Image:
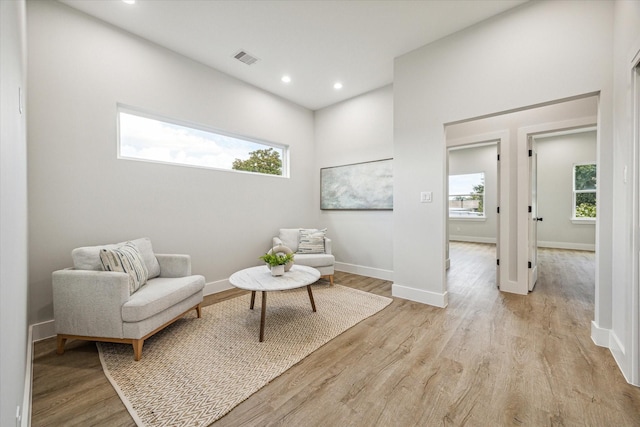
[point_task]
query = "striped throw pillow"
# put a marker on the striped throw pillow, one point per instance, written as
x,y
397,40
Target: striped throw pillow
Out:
x,y
311,241
126,259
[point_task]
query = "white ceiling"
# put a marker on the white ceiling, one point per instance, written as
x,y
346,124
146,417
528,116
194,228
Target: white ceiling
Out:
x,y
315,42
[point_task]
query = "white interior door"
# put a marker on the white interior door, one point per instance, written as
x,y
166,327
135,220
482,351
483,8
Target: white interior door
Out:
x,y
533,214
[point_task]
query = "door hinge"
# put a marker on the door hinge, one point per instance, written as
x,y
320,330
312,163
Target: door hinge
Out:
x,y
498,209
529,264
497,261
530,153
529,209
498,157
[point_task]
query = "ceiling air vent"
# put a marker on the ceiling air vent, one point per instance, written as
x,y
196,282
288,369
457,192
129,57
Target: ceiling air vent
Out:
x,y
243,56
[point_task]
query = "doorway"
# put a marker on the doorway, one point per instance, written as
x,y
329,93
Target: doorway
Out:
x,y
473,194
513,233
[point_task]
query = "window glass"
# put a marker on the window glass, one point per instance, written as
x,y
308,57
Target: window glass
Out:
x,y
584,191
148,138
466,196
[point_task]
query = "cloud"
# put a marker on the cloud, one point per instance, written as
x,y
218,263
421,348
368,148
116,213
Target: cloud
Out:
x,y
150,139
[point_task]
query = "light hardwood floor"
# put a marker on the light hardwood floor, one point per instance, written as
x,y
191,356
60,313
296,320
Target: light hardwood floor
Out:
x,y
488,359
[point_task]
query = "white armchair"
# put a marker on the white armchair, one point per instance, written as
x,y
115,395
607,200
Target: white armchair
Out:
x,y
311,247
96,305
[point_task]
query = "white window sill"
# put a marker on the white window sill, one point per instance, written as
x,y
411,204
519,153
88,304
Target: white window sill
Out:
x,y
473,218
583,221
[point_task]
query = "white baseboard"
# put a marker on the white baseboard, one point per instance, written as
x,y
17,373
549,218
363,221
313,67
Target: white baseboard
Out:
x,y
376,273
419,295
43,330
218,286
513,287
567,245
619,355
25,421
599,336
472,239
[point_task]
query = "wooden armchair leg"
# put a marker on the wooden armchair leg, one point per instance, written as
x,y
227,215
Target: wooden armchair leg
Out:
x,y
199,310
137,349
331,279
61,342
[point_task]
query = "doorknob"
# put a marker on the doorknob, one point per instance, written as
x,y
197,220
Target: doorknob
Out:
x,y
539,219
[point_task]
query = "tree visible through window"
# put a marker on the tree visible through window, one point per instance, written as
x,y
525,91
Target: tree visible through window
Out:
x,y
146,137
262,161
584,190
466,195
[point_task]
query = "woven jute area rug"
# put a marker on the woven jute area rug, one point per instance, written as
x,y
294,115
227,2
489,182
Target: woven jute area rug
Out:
x,y
196,370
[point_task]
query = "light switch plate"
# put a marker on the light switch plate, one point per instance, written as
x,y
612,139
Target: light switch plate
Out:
x,y
426,197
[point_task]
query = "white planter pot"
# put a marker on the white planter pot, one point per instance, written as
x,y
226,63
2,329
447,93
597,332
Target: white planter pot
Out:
x,y
277,270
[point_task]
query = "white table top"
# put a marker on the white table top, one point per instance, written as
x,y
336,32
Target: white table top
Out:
x,y
260,278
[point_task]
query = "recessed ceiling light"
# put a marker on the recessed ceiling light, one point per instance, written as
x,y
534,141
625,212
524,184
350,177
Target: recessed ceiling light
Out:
x,y
337,85
129,1
286,79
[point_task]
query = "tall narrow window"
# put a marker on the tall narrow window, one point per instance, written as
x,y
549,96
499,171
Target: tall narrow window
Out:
x,y
584,191
146,137
466,195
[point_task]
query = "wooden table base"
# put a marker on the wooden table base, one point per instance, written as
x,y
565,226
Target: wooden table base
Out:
x,y
264,307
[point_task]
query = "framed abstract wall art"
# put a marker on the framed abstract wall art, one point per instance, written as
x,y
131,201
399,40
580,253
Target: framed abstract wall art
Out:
x,y
359,186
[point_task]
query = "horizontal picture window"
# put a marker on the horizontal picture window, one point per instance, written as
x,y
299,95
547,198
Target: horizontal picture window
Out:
x,y
146,137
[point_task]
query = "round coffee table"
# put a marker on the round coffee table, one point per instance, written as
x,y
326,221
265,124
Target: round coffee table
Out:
x,y
260,279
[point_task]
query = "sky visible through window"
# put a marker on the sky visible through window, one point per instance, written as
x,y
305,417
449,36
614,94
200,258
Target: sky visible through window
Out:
x,y
463,184
155,140
465,201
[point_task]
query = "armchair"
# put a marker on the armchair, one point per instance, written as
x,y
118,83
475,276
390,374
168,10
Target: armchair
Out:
x,y
315,250
96,305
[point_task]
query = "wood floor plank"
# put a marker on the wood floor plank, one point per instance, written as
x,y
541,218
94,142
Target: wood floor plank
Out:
x,y
488,359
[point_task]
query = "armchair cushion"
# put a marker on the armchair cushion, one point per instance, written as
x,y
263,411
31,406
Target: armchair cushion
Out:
x,y
289,238
88,257
126,259
315,260
174,265
160,295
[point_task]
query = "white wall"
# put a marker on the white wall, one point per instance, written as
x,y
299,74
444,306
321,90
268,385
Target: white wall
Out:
x,y
473,160
624,336
556,157
534,54
354,131
80,194
13,212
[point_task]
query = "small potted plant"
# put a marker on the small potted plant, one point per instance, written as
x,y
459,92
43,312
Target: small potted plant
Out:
x,y
277,261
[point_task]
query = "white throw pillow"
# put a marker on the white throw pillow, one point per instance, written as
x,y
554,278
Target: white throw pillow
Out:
x,y
311,241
